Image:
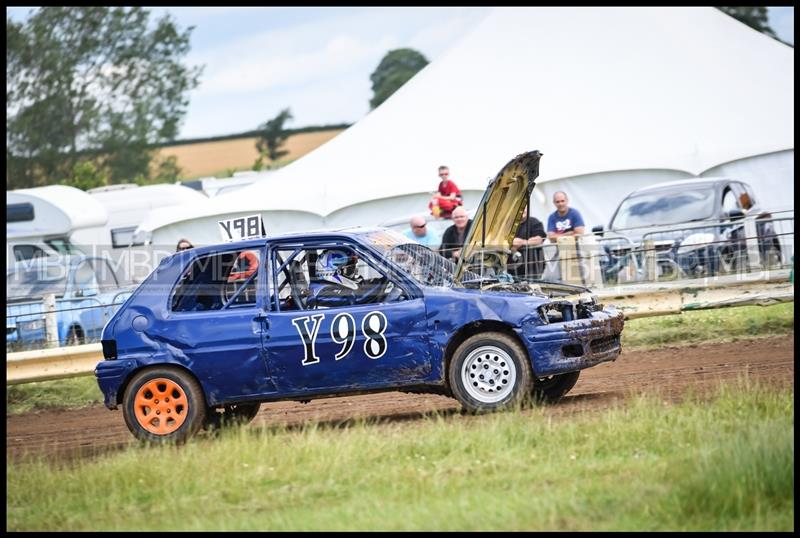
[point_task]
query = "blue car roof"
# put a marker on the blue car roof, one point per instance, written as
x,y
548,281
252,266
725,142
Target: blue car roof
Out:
x,y
343,233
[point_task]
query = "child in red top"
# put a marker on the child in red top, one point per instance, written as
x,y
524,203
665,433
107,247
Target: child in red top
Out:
x,y
448,197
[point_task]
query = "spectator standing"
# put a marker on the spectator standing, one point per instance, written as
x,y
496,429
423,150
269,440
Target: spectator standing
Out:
x,y
527,259
564,220
453,237
447,197
420,233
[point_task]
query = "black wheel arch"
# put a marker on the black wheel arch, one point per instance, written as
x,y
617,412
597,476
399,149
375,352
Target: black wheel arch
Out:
x,y
124,385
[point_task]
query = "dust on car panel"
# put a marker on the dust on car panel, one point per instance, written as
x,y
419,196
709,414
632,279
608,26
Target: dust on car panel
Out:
x,y
215,331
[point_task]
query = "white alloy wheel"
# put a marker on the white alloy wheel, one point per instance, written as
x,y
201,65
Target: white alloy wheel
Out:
x,y
488,374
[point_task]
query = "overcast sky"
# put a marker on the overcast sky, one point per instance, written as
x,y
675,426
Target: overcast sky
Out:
x,y
315,61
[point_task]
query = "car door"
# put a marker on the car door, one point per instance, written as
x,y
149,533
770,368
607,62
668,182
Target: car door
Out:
x,y
85,310
380,340
215,325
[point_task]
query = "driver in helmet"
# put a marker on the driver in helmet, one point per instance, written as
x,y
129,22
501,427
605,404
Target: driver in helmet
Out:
x,y
336,281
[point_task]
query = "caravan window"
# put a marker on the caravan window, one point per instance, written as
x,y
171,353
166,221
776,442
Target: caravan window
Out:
x,y
123,237
19,212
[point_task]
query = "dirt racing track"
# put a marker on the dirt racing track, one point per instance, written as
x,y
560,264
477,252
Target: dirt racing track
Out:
x,y
668,372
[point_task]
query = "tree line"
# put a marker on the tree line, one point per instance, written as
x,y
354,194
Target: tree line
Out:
x,y
89,90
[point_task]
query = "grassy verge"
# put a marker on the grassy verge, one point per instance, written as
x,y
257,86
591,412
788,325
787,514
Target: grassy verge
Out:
x,y
725,324
724,463
716,325
58,393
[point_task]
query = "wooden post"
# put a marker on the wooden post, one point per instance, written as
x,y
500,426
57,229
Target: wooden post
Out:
x,y
589,253
751,239
568,257
650,265
50,321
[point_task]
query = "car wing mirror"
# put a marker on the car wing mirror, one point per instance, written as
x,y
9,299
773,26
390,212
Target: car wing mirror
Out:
x,y
86,292
598,230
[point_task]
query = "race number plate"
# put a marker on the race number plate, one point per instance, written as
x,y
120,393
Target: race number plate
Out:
x,y
242,228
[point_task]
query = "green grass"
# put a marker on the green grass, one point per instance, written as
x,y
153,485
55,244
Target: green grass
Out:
x,y
718,325
58,393
726,324
722,463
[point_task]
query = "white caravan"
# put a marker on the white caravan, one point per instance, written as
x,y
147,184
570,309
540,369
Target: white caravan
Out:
x,y
41,221
127,206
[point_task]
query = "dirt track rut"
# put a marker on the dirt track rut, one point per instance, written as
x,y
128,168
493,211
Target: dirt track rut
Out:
x,y
670,371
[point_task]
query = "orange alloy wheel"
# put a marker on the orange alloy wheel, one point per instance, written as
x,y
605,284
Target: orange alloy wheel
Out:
x,y
161,406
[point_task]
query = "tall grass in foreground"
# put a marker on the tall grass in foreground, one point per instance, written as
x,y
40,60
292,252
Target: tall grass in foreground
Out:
x,y
724,463
719,325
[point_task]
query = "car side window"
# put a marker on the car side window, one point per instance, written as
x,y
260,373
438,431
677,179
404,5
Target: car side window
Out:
x,y
105,275
729,201
223,280
84,277
329,276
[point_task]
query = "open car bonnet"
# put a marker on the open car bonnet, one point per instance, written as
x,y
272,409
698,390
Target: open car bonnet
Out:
x,y
499,212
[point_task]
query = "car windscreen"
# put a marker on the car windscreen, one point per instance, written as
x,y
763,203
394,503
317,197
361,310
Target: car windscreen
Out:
x,y
664,207
421,263
31,283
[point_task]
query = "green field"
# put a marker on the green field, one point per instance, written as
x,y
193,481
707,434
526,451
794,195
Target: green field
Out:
x,y
725,462
724,324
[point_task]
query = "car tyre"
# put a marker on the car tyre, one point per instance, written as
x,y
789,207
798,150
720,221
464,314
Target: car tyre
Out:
x,y
231,414
553,388
490,371
75,338
164,404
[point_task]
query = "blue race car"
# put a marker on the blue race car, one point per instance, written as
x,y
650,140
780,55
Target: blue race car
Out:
x,y
215,331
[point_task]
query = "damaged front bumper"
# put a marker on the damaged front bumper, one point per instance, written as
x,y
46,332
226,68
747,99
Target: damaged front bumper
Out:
x,y
572,343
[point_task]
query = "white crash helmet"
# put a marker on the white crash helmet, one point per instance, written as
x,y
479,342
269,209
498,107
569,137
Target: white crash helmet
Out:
x,y
337,266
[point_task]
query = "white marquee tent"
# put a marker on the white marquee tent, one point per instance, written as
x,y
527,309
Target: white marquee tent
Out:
x,y
615,98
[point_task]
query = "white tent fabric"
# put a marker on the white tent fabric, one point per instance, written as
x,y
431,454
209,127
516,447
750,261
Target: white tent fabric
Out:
x,y
613,97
